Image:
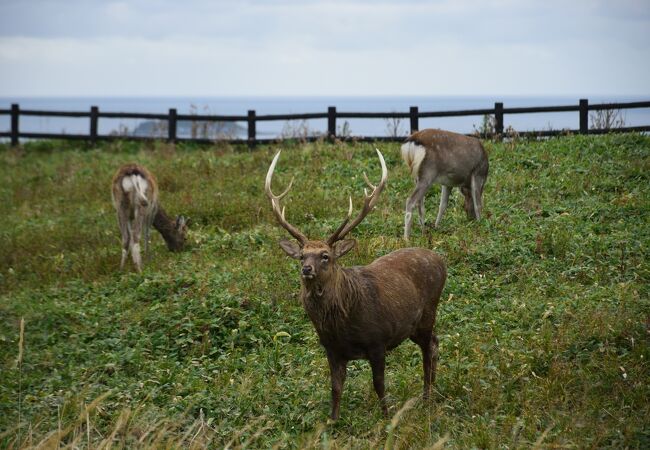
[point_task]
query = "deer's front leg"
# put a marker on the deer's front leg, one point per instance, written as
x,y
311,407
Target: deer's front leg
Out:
x,y
337,374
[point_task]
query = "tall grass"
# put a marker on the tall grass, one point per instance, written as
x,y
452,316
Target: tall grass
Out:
x,y
543,326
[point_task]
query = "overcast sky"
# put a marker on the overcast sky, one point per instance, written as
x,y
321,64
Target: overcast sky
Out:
x,y
312,47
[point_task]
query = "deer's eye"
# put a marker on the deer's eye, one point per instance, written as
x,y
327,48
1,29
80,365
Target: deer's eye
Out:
x,y
325,257
302,257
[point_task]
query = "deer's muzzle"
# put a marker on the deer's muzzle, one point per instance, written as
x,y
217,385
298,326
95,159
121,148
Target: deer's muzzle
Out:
x,y
308,271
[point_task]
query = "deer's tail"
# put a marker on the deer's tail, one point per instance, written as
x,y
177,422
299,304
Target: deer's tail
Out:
x,y
413,155
137,186
140,189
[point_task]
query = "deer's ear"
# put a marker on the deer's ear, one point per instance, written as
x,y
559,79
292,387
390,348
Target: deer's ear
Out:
x,y
291,248
344,246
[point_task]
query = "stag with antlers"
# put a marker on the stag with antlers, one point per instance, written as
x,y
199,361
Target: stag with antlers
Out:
x,y
364,311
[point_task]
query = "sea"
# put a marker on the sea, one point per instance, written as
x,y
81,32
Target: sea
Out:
x,y
296,105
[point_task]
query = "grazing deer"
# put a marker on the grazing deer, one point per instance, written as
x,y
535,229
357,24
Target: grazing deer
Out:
x,y
448,159
362,312
135,197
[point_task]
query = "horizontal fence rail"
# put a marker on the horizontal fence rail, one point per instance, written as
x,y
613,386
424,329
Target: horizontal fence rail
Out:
x,y
251,118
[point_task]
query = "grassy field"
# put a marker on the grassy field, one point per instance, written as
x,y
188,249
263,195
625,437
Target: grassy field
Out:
x,y
544,323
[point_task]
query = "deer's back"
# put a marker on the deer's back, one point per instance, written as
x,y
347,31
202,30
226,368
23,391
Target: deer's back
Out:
x,y
409,275
451,158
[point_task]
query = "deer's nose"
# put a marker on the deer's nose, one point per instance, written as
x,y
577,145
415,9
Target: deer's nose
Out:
x,y
307,270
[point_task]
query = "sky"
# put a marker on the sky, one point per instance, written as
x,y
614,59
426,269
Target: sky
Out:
x,y
324,48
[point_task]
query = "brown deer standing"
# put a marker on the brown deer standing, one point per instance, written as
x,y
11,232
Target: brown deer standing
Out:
x,y
448,159
362,312
135,197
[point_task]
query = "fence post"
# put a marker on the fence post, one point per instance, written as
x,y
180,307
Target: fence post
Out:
x,y
413,113
498,118
94,114
252,131
331,122
171,126
15,113
584,116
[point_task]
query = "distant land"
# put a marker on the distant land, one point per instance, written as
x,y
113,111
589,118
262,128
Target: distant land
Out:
x,y
186,128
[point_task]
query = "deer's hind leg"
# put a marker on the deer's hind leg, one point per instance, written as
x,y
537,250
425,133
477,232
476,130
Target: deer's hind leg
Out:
x,y
123,223
477,193
378,365
422,185
428,343
150,211
146,243
421,211
444,200
469,202
136,233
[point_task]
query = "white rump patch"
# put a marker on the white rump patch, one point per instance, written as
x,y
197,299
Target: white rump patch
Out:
x,y
413,155
136,183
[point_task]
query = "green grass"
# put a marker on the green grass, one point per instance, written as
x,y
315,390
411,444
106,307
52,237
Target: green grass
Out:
x,y
543,324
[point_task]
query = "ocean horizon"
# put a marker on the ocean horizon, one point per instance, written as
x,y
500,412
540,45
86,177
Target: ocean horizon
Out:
x,y
239,105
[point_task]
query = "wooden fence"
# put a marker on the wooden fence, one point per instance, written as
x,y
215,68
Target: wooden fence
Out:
x,y
413,115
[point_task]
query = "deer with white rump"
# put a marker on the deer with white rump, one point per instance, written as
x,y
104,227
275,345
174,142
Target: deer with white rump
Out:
x,y
448,159
362,312
135,197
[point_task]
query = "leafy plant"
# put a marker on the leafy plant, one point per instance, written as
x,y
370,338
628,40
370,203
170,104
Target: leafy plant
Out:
x,y
542,327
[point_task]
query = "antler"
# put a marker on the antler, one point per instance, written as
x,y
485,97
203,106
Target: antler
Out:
x,y
368,203
275,202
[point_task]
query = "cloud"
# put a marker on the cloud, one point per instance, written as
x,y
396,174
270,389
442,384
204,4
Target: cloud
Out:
x,y
291,47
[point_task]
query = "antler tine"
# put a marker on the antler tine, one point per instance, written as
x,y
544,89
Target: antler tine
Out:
x,y
368,203
372,186
286,191
275,202
269,176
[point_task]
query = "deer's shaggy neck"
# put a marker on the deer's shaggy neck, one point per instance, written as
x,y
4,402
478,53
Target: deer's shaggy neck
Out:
x,y
328,301
166,226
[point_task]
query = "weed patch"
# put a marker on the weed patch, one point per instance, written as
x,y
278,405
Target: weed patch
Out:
x,y
543,325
